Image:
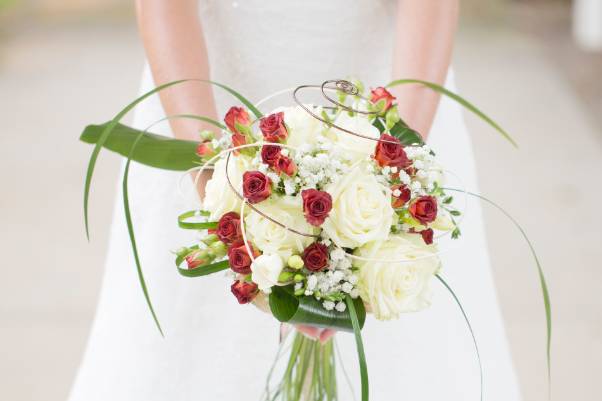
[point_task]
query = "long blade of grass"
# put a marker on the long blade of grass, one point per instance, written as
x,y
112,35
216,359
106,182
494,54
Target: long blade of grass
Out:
x,y
474,339
357,331
128,219
460,100
542,279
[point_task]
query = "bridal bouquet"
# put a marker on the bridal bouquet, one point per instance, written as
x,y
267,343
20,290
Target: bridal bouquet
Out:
x,y
318,214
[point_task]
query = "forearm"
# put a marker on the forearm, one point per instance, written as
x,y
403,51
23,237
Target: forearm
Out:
x,y
423,49
175,47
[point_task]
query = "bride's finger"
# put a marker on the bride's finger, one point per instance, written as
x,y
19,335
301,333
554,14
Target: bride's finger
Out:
x,y
326,335
310,331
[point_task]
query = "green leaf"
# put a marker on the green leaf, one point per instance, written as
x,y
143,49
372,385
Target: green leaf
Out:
x,y
153,150
406,135
474,339
189,225
460,100
288,308
204,270
357,331
110,126
542,280
128,219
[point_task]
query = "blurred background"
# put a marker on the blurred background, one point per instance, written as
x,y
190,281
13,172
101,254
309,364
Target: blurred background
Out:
x,y
534,65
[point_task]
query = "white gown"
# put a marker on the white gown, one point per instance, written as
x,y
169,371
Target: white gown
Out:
x,y
215,349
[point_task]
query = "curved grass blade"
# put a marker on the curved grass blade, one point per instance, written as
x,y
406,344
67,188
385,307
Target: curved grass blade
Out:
x,y
189,225
474,339
542,280
102,139
240,97
357,331
460,100
111,126
128,219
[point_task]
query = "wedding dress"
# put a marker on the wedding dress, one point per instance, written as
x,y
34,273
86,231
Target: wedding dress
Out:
x,y
215,349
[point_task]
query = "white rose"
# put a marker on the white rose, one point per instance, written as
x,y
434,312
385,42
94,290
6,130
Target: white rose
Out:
x,y
302,127
361,210
394,288
219,197
265,270
270,237
358,148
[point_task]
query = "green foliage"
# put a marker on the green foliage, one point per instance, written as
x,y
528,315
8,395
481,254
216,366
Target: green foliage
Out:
x,y
286,307
152,149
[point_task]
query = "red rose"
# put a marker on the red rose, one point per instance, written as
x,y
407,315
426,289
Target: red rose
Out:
x,y
228,228
244,291
285,165
427,236
403,198
424,209
381,93
270,154
236,115
256,186
390,153
315,257
273,127
316,206
239,258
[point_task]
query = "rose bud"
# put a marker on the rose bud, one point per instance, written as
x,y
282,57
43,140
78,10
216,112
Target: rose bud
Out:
x,y
238,140
427,236
244,291
237,116
401,195
270,154
228,228
205,150
315,257
273,127
285,165
390,153
316,206
424,209
256,186
381,94
196,259
239,258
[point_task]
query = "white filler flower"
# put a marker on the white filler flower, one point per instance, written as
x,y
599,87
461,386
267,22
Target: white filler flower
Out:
x,y
265,270
394,288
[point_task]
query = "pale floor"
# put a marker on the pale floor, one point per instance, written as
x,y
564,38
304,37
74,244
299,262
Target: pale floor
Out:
x,y
55,79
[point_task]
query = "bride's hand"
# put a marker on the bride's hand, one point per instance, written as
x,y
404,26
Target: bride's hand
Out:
x,y
316,333
201,182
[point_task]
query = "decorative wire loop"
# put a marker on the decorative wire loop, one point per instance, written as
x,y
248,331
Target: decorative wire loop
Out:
x,y
242,198
340,85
